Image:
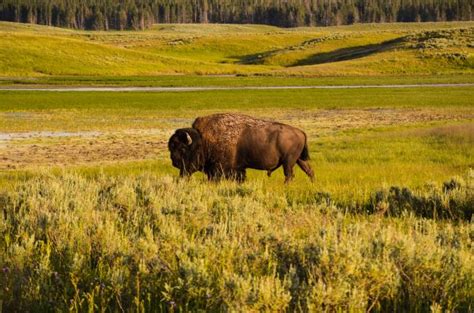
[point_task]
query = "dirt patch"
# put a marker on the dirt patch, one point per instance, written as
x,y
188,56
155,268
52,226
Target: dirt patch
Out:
x,y
18,115
323,122
59,151
46,134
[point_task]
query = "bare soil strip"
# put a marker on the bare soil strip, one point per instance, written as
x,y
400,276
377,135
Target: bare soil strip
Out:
x,y
187,89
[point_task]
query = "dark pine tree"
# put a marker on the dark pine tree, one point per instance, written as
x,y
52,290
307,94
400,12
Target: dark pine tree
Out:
x,y
140,14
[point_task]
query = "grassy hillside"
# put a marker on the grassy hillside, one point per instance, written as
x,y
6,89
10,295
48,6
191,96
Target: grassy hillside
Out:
x,y
383,49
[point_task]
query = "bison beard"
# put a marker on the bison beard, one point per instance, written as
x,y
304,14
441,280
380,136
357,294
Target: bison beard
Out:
x,y
225,145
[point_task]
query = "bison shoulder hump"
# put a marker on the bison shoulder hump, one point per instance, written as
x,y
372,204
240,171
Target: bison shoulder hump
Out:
x,y
227,127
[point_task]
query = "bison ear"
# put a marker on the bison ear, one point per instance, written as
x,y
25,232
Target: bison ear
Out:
x,y
189,140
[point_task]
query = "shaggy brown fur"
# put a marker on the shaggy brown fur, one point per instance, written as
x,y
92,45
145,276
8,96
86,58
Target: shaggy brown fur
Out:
x,y
228,144
221,134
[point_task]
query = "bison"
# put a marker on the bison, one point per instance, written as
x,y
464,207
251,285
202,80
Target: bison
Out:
x,y
225,145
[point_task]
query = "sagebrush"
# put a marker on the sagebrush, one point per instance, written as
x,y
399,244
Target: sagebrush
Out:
x,y
159,244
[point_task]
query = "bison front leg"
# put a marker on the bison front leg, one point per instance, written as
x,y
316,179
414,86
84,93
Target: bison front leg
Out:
x,y
214,173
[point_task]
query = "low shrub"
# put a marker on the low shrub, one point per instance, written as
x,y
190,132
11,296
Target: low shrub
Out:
x,y
453,200
70,243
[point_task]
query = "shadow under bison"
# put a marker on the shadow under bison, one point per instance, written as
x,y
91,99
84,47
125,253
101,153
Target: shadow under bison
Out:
x,y
225,145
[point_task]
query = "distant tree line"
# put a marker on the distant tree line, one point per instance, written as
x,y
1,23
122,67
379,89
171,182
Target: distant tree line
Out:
x,y
140,14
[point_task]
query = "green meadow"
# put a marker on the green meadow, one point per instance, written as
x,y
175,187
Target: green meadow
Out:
x,y
229,81
93,217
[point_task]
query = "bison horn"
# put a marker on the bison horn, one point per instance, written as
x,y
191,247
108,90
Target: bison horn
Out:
x,y
189,139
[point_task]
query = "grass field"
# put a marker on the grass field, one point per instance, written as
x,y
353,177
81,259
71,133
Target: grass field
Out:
x,y
94,218
412,128
228,81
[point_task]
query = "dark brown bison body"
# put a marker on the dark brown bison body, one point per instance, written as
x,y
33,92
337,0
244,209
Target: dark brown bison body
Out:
x,y
225,145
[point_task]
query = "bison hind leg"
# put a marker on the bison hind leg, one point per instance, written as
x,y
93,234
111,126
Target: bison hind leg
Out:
x,y
304,165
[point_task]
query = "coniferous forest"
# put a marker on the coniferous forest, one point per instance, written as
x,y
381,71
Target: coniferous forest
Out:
x,y
140,14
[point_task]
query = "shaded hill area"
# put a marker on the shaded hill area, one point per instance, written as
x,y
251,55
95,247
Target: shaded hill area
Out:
x,y
426,44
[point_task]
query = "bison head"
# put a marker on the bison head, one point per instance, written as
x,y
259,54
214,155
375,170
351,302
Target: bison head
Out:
x,y
186,151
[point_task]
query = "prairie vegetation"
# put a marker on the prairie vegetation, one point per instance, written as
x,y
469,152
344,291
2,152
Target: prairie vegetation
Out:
x,y
94,218
154,243
359,139
374,50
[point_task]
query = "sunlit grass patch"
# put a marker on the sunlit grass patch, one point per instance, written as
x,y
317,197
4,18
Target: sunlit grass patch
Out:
x,y
351,167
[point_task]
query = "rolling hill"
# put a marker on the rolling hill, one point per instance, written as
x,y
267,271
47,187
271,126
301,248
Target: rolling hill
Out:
x,y
364,49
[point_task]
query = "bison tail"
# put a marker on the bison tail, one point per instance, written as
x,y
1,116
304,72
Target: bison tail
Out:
x,y
305,153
